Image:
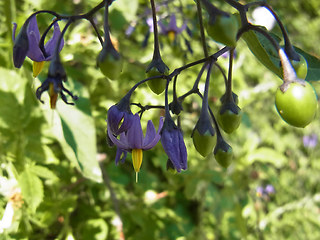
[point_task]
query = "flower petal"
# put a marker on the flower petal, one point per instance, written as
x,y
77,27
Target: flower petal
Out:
x,y
33,27
172,23
127,122
120,152
51,44
135,134
14,31
150,134
182,28
152,137
20,46
114,120
122,143
34,52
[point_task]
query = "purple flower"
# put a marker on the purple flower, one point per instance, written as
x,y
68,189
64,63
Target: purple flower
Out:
x,y
259,191
35,53
133,140
310,141
266,192
172,29
173,144
269,189
119,118
149,22
130,30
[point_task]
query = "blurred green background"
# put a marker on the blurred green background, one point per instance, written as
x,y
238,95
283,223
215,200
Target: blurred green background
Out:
x,y
58,179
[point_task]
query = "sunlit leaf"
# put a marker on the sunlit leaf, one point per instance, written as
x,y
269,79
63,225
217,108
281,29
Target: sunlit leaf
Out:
x,y
267,155
259,50
43,172
31,188
95,229
75,130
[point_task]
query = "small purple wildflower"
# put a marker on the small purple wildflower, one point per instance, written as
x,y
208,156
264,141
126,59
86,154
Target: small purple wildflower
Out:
x,y
172,29
35,53
133,140
269,189
310,141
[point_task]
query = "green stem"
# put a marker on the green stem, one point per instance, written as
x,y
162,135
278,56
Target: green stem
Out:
x,y
242,11
222,72
177,71
96,30
288,46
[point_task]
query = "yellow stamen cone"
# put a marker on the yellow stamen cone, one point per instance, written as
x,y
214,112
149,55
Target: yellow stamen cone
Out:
x,y
53,96
137,160
171,35
37,68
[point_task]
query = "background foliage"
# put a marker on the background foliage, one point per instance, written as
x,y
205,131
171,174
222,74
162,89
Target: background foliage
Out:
x,y
58,174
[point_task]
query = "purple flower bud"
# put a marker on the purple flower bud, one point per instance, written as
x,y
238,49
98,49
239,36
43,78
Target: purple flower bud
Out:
x,y
21,45
173,144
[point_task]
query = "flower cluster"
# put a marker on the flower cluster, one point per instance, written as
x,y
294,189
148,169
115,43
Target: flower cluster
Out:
x,y
124,128
125,132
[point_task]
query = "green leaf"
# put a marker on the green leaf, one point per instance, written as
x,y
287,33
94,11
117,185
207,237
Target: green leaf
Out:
x,y
95,229
267,155
263,50
43,172
31,188
127,7
313,65
75,130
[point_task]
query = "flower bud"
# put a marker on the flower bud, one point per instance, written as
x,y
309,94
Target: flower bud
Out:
x,y
109,61
203,135
155,68
21,45
229,117
173,144
175,106
223,153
